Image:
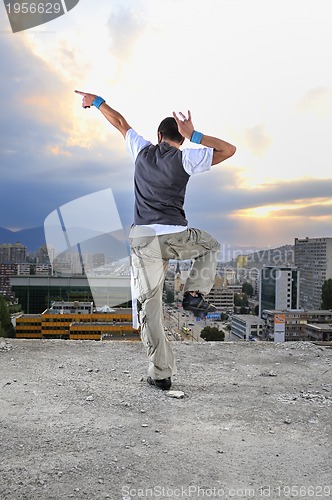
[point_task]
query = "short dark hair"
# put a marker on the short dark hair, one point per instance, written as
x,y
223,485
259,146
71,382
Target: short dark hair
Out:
x,y
168,129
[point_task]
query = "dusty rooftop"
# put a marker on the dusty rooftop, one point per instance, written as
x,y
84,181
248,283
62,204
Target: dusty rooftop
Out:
x,y
78,421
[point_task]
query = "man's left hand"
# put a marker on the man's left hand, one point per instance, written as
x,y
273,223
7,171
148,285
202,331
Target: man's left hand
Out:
x,y
87,98
185,125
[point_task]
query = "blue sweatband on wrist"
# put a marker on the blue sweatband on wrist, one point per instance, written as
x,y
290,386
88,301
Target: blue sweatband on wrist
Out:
x,y
196,137
97,102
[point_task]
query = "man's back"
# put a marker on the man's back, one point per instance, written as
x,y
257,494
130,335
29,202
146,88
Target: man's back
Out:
x,y
160,186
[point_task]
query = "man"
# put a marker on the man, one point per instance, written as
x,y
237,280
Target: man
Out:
x,y
160,231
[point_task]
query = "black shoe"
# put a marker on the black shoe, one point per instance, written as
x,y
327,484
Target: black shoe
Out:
x,y
163,384
197,304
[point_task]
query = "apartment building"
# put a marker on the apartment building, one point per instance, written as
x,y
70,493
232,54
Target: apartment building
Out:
x,y
243,325
12,253
296,322
221,295
279,288
313,259
6,272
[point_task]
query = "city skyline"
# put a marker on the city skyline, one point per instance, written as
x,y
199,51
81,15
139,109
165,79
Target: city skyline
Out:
x,y
254,75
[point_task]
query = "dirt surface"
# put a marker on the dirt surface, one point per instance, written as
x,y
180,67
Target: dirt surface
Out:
x,y
79,421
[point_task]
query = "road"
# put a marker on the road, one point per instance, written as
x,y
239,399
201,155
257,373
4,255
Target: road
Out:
x,y
177,318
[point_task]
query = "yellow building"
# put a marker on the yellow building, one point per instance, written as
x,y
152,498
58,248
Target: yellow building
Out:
x,y
242,261
29,326
72,325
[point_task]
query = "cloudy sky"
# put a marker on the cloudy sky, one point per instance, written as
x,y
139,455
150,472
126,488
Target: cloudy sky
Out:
x,y
256,73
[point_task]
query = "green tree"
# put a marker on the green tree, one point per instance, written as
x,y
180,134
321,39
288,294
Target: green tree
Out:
x,y
169,297
247,288
6,327
2,332
212,333
327,294
240,300
237,300
14,308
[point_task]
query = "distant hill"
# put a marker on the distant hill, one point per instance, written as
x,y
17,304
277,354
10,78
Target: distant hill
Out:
x,y
283,255
32,238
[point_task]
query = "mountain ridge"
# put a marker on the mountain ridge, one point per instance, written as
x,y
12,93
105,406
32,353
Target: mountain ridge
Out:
x,y
33,238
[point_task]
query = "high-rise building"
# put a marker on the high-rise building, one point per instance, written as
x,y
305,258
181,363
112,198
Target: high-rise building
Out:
x,y
42,255
313,259
12,253
241,261
279,288
6,272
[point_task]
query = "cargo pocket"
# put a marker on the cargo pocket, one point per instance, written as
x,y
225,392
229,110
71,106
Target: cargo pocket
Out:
x,y
176,244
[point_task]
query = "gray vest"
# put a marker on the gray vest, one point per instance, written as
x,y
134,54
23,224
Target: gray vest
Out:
x,y
160,186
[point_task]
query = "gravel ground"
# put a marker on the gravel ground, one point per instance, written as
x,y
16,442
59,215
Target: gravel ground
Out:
x,y
79,421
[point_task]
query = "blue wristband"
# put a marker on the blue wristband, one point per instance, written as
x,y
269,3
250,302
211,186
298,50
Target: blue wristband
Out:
x,y
97,102
196,137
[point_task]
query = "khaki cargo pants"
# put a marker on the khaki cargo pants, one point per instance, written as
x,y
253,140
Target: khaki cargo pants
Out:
x,y
149,260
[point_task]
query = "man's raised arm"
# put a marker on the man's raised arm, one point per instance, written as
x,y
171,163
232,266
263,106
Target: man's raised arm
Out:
x,y
113,116
221,149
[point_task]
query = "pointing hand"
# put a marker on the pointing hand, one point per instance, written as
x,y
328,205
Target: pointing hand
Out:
x,y
87,98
